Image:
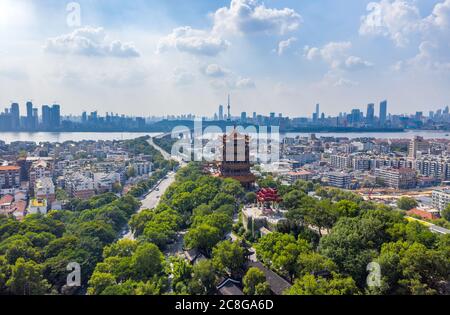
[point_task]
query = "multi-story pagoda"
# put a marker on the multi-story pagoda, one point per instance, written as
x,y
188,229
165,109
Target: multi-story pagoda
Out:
x,y
236,159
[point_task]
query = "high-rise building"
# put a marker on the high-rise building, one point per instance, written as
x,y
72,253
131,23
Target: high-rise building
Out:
x,y
46,116
29,119
221,112
383,113
418,144
370,113
56,116
35,118
318,110
15,116
243,117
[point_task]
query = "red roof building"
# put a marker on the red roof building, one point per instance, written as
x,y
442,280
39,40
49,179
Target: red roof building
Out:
x,y
424,214
268,195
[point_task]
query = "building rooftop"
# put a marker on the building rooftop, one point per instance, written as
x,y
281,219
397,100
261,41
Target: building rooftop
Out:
x,y
9,168
38,203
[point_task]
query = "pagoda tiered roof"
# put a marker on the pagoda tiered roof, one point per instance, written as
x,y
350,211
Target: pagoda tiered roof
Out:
x,y
268,195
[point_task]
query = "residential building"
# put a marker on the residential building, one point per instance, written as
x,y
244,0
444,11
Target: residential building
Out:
x,y
37,206
403,178
9,177
441,199
339,180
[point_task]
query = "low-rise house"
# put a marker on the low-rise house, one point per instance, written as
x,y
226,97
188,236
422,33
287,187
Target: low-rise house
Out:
x,y
292,177
37,206
45,189
424,214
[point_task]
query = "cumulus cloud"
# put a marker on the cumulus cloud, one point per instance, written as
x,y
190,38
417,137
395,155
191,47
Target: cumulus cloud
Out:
x,y
401,21
90,41
193,41
440,17
214,70
252,16
284,45
336,54
395,19
241,17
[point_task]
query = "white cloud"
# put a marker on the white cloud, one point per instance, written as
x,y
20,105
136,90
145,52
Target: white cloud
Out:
x,y
335,78
214,70
236,83
252,16
284,45
401,21
356,63
193,41
90,41
395,19
336,54
245,83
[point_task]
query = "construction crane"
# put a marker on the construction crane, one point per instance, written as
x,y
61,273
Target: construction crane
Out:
x,y
371,191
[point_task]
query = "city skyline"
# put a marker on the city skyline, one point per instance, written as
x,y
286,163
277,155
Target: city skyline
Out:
x,y
153,59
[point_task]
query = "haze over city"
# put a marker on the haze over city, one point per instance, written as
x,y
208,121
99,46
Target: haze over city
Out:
x,y
168,57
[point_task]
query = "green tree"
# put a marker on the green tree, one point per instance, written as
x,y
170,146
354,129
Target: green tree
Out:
x,y
232,187
250,197
117,187
311,285
26,279
203,237
99,282
228,257
255,282
446,213
311,263
147,261
406,203
280,252
203,278
131,172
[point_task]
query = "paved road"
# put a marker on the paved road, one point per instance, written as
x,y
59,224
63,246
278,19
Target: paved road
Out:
x,y
152,199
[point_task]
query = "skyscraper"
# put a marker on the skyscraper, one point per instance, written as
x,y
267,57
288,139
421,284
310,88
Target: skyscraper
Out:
x,y
383,113
370,113
15,116
35,118
46,116
30,120
55,116
243,117
221,112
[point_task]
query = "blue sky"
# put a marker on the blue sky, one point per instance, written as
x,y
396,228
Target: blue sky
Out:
x,y
171,57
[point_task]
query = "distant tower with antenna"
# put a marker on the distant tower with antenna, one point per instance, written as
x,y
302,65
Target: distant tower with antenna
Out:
x,y
229,108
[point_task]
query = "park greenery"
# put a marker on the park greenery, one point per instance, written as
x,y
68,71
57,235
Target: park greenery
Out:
x,y
200,205
353,233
